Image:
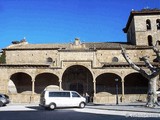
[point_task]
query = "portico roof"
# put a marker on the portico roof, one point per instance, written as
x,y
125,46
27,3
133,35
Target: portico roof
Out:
x,y
92,45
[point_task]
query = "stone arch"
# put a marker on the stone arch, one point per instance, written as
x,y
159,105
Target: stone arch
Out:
x,y
20,83
135,83
78,78
45,79
105,83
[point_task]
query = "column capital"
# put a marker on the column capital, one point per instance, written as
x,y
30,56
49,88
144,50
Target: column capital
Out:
x,y
122,80
33,80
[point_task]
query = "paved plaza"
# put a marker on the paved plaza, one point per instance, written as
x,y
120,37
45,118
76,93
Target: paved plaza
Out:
x,y
132,107
135,111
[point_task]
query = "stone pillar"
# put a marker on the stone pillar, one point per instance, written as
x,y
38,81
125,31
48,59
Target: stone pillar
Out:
x,y
123,98
33,87
6,86
33,91
94,88
60,85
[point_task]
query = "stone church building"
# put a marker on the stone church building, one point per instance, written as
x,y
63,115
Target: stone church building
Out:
x,y
88,68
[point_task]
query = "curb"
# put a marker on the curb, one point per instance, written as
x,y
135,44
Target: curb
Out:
x,y
131,108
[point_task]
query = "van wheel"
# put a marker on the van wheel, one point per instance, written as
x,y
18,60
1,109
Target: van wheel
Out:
x,y
82,105
52,106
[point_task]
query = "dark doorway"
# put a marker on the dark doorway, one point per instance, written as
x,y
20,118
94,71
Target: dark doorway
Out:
x,y
135,83
77,87
78,78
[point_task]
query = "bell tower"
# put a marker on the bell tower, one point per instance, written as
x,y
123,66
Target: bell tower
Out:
x,y
143,27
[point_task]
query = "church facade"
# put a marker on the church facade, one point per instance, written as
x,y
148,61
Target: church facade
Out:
x,y
92,69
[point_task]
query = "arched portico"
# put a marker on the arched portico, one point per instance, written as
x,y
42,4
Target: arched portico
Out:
x,y
45,79
78,78
106,88
106,83
20,82
135,83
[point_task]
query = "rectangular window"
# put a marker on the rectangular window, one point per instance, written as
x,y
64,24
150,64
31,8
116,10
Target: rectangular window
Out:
x,y
59,94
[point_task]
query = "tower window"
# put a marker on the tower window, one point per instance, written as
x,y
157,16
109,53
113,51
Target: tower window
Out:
x,y
158,24
150,42
148,24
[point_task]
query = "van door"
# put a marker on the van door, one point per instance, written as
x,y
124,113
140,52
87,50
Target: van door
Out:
x,y
76,99
65,99
61,99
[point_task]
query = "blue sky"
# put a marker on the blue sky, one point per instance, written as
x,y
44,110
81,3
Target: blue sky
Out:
x,y
60,21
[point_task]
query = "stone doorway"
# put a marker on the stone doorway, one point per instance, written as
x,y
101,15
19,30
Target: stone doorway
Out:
x,y
77,87
78,78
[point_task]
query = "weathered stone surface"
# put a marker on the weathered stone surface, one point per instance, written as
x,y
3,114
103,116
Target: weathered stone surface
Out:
x,y
89,68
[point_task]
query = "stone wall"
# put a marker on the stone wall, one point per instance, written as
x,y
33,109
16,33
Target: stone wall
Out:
x,y
97,58
111,99
141,31
27,98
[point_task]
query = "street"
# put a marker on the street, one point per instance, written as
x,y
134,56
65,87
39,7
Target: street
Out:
x,y
34,112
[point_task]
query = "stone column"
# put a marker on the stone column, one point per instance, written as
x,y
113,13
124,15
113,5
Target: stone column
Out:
x,y
94,88
33,91
6,86
60,85
33,87
123,98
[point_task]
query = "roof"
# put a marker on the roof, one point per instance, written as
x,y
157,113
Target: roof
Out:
x,y
142,12
87,46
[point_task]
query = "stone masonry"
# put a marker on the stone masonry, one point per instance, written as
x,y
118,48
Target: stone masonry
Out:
x,y
88,68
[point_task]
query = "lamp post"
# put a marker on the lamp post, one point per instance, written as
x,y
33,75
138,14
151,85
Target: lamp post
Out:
x,y
116,80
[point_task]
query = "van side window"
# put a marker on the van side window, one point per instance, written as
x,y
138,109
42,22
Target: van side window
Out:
x,y
65,94
59,94
75,94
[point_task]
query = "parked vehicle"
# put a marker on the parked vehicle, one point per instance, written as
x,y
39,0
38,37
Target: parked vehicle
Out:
x,y
55,99
4,99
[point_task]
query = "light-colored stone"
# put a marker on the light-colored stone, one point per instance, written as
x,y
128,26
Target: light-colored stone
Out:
x,y
89,68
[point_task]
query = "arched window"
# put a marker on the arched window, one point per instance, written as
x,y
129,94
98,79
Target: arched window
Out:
x,y
158,24
114,59
148,24
150,42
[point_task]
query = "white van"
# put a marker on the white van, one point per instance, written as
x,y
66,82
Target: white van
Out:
x,y
54,99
